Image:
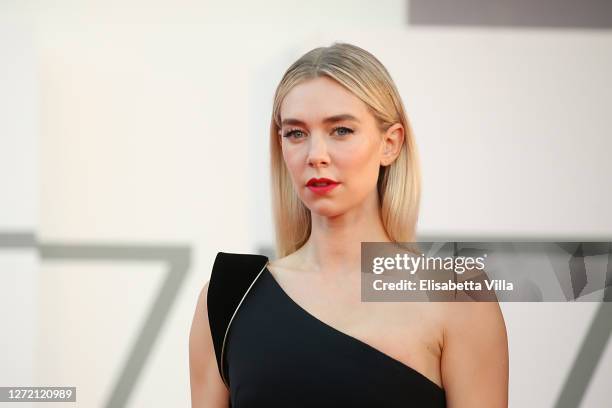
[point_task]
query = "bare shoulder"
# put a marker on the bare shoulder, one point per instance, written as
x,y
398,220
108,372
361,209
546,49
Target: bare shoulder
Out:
x,y
207,387
475,354
485,318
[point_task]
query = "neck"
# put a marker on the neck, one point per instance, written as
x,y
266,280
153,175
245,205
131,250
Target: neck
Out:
x,y
334,246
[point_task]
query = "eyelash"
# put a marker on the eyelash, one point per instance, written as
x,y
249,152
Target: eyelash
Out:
x,y
290,132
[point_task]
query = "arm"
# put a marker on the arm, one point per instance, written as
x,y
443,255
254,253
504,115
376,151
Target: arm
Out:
x,y
474,360
207,388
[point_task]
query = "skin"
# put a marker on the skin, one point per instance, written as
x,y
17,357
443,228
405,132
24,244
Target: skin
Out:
x,y
207,387
461,347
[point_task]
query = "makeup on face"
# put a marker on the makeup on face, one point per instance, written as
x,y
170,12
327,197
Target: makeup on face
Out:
x,y
321,185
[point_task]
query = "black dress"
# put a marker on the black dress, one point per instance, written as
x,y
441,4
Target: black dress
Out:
x,y
277,354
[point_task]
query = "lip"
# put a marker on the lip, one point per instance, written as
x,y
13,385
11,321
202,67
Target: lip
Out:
x,y
321,189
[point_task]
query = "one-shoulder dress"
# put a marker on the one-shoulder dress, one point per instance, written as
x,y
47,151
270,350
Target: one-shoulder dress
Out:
x,y
273,353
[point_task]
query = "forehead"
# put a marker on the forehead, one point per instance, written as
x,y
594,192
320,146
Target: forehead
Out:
x,y
321,97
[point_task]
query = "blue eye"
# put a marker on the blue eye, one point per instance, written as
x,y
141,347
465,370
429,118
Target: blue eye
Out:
x,y
299,134
292,132
346,130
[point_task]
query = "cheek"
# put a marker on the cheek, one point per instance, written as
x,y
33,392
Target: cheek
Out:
x,y
293,160
360,164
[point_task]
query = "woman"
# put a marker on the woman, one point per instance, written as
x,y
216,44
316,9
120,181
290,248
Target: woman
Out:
x,y
293,332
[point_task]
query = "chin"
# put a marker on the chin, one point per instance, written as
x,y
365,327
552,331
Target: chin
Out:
x,y
324,209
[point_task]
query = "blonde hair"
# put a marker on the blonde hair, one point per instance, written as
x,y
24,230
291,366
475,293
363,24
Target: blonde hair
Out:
x,y
399,184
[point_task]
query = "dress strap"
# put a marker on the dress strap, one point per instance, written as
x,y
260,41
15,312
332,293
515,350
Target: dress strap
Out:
x,y
231,278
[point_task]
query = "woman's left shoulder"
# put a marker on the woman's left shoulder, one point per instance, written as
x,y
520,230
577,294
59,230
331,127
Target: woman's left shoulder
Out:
x,y
475,341
472,322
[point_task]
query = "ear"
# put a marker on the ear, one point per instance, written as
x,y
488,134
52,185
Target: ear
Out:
x,y
392,142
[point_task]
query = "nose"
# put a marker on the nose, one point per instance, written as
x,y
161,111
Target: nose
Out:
x,y
317,153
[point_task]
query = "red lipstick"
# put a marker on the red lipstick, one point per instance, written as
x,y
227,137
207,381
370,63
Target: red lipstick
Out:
x,y
321,185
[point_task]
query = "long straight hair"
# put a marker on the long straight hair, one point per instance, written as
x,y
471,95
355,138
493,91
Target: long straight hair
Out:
x,y
399,184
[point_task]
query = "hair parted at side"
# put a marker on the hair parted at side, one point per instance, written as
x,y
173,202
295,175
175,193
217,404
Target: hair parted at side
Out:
x,y
399,184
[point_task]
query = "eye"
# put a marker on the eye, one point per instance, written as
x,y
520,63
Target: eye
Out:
x,y
293,133
343,131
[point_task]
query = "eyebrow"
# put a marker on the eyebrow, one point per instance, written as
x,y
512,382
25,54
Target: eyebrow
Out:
x,y
331,119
